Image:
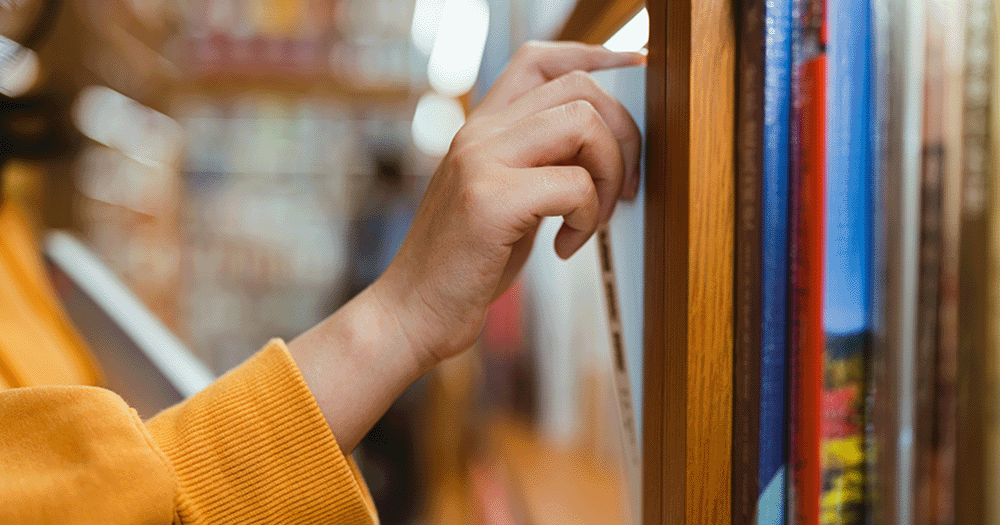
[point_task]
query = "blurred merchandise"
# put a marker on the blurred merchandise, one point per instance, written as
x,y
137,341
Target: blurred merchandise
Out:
x,y
128,188
140,359
245,167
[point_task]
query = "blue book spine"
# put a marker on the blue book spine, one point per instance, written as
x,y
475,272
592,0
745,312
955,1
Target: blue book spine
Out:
x,y
847,253
772,499
846,287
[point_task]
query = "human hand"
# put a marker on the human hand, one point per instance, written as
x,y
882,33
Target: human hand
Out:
x,y
545,141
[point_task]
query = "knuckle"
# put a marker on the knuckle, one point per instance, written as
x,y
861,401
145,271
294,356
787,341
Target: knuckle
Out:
x,y
580,185
581,80
462,137
583,112
465,156
477,195
529,49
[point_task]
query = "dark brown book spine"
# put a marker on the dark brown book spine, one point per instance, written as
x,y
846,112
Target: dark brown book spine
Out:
x,y
977,202
929,276
747,348
946,391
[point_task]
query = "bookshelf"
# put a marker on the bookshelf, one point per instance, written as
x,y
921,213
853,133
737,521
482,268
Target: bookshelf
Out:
x,y
688,350
593,21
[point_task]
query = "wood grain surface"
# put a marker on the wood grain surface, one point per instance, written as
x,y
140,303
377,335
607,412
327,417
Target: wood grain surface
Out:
x,y
687,409
594,21
690,201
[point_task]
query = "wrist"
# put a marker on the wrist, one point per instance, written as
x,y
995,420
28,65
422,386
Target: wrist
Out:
x,y
405,315
355,363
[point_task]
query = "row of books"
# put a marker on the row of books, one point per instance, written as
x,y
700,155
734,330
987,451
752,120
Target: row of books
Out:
x,y
868,263
383,64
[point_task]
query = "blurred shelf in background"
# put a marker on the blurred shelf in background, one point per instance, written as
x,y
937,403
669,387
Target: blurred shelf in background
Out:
x,y
556,485
247,166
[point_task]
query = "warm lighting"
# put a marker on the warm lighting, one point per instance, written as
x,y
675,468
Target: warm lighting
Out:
x,y
19,70
633,36
435,123
426,20
458,48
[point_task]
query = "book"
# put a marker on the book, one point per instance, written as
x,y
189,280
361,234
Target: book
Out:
x,y
846,261
953,21
772,458
898,30
747,341
929,267
833,281
796,261
974,338
991,364
875,415
937,284
809,88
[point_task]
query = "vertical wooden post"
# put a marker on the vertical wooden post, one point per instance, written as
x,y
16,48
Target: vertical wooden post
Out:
x,y
688,367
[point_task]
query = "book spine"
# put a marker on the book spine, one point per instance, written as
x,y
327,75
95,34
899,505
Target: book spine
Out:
x,y
808,268
991,364
846,269
946,363
926,495
978,201
771,501
879,110
893,408
747,348
794,258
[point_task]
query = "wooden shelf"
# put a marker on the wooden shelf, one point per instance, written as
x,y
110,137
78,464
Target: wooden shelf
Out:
x,y
690,224
594,21
687,409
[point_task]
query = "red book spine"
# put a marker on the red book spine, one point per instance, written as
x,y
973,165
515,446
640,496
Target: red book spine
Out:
x,y
808,383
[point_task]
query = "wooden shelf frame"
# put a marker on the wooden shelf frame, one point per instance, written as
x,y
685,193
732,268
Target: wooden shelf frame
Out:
x,y
690,222
690,250
594,21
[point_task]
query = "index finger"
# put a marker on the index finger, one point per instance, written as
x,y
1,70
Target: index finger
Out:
x,y
539,62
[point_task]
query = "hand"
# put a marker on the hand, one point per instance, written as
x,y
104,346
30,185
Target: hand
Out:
x,y
545,141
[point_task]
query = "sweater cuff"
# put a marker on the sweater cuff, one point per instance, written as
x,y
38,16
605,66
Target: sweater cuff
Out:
x,y
254,447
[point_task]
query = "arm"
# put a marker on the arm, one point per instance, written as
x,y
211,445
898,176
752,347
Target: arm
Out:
x,y
266,442
253,447
545,141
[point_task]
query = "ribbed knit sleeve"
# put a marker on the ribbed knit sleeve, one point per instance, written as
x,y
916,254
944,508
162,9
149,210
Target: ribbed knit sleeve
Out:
x,y
254,448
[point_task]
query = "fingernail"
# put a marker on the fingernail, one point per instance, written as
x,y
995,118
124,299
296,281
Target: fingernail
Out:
x,y
632,186
607,213
569,241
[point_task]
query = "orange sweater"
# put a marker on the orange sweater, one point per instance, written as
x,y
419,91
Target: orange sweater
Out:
x,y
251,448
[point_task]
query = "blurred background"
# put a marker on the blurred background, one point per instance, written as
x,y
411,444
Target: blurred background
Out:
x,y
247,166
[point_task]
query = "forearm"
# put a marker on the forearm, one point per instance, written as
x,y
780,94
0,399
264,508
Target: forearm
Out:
x,y
357,362
546,141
